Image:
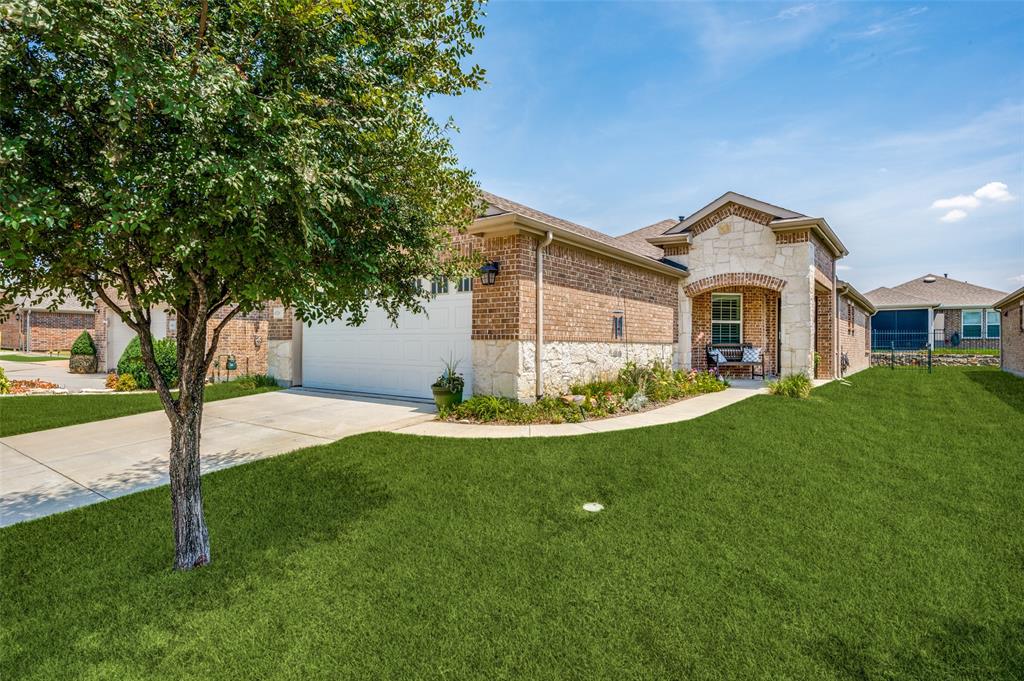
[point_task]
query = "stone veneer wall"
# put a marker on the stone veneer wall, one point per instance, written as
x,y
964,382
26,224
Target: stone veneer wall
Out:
x,y
737,244
510,364
854,335
581,290
1012,330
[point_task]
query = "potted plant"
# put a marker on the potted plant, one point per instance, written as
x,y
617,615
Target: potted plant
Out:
x,y
448,387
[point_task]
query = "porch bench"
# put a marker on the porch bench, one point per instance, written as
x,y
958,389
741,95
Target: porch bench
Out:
x,y
733,354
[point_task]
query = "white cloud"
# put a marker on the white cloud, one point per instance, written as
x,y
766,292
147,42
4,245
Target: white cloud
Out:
x,y
1019,279
993,191
843,268
959,201
996,191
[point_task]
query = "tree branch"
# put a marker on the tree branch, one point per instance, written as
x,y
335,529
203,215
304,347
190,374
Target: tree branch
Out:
x,y
212,352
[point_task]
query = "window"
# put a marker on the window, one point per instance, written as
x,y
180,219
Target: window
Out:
x,y
992,323
465,285
971,324
439,285
851,318
726,318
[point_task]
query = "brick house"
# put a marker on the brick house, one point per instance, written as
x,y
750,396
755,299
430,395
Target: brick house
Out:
x,y
737,271
939,311
1011,338
45,324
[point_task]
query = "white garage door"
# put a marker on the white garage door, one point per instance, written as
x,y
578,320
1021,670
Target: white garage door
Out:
x,y
381,358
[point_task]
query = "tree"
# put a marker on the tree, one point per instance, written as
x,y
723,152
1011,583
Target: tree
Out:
x,y
210,157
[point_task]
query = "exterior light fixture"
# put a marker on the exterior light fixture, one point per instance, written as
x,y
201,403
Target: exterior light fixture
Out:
x,y
489,272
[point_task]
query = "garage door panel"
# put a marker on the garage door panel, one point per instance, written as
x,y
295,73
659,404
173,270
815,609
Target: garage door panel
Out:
x,y
380,358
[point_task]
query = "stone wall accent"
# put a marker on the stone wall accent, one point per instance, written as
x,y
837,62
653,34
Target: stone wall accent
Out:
x,y
506,367
734,279
1012,330
712,219
759,328
742,245
920,359
854,335
280,360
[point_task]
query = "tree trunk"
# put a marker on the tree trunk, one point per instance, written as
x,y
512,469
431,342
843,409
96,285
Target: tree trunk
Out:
x,y
191,538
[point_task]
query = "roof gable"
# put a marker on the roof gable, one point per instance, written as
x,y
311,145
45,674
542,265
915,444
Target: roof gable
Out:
x,y
770,211
949,292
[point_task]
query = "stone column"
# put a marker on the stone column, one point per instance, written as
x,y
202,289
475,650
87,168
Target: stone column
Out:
x,y
684,347
797,322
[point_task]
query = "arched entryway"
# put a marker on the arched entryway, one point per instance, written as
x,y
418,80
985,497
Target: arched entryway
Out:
x,y
734,309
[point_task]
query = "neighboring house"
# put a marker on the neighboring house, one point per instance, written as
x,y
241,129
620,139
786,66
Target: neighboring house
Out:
x,y
46,324
936,310
1011,339
737,271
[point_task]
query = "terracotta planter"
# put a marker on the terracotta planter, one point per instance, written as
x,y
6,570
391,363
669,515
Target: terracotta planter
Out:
x,y
445,398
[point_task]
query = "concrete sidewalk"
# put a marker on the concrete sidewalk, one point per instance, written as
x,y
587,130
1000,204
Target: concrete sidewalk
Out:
x,y
62,468
54,371
680,411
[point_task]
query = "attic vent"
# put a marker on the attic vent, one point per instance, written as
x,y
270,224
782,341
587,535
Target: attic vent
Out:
x,y
682,218
929,279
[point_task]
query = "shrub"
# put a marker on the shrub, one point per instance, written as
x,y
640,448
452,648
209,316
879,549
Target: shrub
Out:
x,y
166,354
111,383
255,381
5,383
83,345
126,383
450,378
794,385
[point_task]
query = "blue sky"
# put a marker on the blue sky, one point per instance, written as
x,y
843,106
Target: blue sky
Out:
x,y
892,121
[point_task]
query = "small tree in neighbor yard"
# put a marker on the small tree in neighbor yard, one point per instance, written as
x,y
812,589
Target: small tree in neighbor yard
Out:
x,y
211,156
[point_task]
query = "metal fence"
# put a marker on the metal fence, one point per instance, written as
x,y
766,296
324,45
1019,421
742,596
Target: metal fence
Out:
x,y
921,350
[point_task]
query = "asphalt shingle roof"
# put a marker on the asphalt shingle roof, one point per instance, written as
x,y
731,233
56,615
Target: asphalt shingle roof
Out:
x,y
941,290
637,239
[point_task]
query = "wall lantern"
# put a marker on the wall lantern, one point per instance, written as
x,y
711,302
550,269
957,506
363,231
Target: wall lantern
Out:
x,y
489,272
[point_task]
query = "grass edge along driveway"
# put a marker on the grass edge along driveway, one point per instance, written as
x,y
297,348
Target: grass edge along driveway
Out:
x,y
871,531
29,413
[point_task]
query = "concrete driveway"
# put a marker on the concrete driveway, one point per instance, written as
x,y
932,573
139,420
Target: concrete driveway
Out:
x,y
54,371
59,469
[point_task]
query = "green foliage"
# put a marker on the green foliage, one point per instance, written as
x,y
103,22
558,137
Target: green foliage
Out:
x,y
5,383
450,378
794,385
264,151
126,383
635,387
253,381
83,345
165,352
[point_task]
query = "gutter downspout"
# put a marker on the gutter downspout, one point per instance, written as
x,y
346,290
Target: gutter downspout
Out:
x,y
837,372
538,359
28,330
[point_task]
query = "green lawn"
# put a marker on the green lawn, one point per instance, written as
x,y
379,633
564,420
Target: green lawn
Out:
x,y
872,531
31,358
41,412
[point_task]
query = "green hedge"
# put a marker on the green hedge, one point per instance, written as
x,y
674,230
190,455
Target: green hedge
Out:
x,y
166,360
83,345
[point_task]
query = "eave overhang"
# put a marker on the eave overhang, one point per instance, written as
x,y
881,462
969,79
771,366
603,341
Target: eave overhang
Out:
x,y
817,225
513,223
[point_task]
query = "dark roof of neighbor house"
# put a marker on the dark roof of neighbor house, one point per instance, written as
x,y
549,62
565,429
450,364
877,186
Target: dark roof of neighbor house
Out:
x,y
933,290
637,239
499,205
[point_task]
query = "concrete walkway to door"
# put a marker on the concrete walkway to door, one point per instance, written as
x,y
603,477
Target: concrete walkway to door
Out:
x,y
55,470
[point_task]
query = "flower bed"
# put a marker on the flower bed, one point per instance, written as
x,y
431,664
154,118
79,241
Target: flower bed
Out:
x,y
19,387
635,389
